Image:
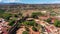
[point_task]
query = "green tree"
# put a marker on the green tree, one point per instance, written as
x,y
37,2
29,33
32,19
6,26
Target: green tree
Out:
x,y
2,11
53,13
48,20
25,32
31,23
57,23
15,15
6,16
36,14
11,22
26,23
34,29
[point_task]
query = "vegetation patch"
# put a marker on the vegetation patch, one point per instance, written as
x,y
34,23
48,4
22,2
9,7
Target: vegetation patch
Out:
x,y
57,23
25,32
36,14
34,29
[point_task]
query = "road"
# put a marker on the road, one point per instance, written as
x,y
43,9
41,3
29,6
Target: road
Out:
x,y
14,28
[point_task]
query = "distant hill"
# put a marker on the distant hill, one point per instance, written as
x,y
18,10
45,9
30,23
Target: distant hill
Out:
x,y
5,6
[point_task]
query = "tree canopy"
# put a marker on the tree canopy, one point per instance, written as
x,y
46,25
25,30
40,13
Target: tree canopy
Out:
x,y
36,14
57,23
48,20
2,11
34,29
6,16
25,32
31,23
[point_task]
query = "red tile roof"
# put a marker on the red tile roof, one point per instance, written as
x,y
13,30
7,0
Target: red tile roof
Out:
x,y
48,30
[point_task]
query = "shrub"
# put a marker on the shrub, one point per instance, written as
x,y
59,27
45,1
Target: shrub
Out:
x,y
6,16
25,32
57,23
27,29
36,14
31,23
34,29
11,22
2,11
48,20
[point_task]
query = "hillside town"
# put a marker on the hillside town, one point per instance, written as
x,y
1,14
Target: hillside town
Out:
x,y
30,19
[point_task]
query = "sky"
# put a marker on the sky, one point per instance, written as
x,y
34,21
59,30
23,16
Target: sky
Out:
x,y
31,1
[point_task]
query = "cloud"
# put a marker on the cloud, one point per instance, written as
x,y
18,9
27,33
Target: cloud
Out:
x,y
11,0
30,1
